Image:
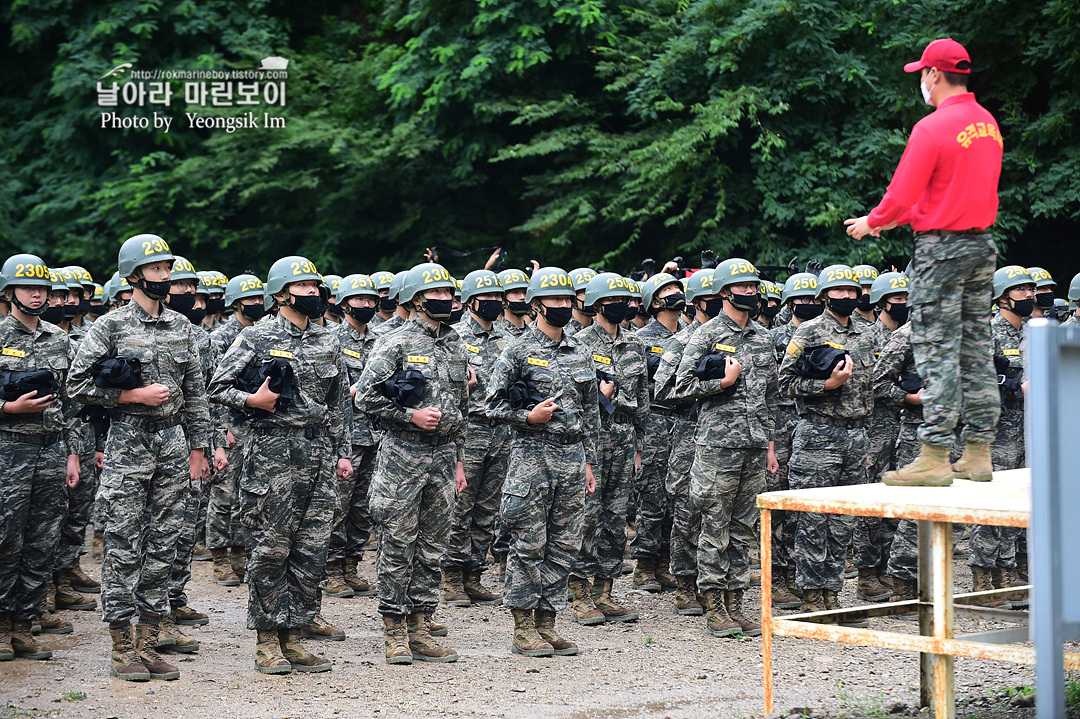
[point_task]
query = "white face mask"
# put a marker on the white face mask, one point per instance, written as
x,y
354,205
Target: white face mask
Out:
x,y
925,93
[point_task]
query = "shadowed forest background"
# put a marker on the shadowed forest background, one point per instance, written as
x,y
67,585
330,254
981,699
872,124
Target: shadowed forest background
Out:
x,y
578,132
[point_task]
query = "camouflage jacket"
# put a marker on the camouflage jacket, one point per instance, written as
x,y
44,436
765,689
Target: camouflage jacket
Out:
x,y
21,350
510,331
81,437
440,358
482,348
356,348
563,372
389,325
744,415
623,356
895,362
664,381
1009,342
224,334
168,349
320,393
781,338
658,339
855,398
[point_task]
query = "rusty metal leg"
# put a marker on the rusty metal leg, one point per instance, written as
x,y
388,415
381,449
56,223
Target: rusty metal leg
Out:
x,y
941,665
926,620
766,607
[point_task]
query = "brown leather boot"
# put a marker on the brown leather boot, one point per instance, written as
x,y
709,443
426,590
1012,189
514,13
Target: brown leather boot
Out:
x,y
48,624
124,663
335,582
299,658
68,598
200,553
81,582
812,601
527,641
500,561
975,463
686,602
50,594
146,638
645,575
930,469
782,595
423,646
545,627
733,600
717,620
583,611
904,590
223,571
832,601
613,612
320,628
397,639
360,586
434,628
6,651
478,593
97,545
982,581
178,641
238,562
663,574
453,589
188,617
268,656
870,588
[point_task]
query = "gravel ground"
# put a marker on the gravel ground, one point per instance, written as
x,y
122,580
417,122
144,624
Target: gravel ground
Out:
x,y
661,666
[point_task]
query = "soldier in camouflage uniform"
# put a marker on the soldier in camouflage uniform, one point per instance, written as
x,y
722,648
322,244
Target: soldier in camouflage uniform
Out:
x,y
738,401
664,299
152,456
552,453
865,310
487,449
288,485
583,313
829,447
37,454
419,463
619,356
387,306
402,310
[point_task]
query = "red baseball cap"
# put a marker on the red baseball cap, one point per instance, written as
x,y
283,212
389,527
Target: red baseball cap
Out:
x,y
945,54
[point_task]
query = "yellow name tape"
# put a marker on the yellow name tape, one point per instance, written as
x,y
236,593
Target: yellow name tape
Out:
x,y
352,353
602,359
281,353
537,362
472,348
724,348
657,350
12,352
834,345
423,359
1007,353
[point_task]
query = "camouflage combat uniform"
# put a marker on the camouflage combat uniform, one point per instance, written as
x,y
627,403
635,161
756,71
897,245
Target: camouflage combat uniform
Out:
x,y
288,484
500,545
543,502
412,491
783,523
145,479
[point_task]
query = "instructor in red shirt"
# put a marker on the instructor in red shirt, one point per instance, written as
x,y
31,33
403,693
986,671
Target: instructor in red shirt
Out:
x,y
945,187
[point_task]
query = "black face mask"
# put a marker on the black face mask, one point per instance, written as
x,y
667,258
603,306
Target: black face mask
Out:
x,y
195,316
1022,308
387,305
335,310
754,312
215,306
154,290
675,301
253,312
899,312
182,303
311,306
70,311
1044,299
746,303
488,310
770,311
587,311
615,312
439,310
712,307
98,310
519,308
807,312
843,307
84,307
864,303
556,316
456,315
52,315
362,315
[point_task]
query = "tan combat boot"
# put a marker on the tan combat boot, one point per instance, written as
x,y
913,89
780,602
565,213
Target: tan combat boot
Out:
x,y
583,611
870,588
784,595
200,553
545,627
360,586
335,582
320,628
645,575
397,639
832,602
82,582
930,469
299,658
50,624
423,646
500,561
453,589
97,545
223,571
975,464
686,602
527,641
663,573
68,598
50,594
124,663
177,640
733,600
188,617
982,581
478,593
268,656
238,561
6,652
812,601
146,639
613,612
904,590
717,620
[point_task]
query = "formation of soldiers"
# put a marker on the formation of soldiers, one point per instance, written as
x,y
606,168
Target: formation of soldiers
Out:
x,y
513,420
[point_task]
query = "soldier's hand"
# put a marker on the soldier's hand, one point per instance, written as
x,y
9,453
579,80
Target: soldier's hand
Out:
x,y
459,478
590,480
220,460
264,398
230,438
344,468
841,373
732,370
772,466
637,460
29,403
472,377
426,418
196,462
153,396
74,469
99,460
608,388
915,398
541,413
204,468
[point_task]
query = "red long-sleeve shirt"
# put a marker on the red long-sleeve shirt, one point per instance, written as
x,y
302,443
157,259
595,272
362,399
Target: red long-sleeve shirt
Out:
x,y
948,175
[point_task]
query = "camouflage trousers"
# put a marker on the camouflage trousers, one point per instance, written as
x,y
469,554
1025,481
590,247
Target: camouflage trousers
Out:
x,y
685,517
288,492
873,535
145,484
221,529
951,283
32,508
472,529
194,502
412,498
783,523
996,546
543,508
724,485
824,455
352,516
603,537
73,528
653,506
903,559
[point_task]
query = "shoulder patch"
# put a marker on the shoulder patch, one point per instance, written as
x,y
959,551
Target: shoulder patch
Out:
x,y
793,348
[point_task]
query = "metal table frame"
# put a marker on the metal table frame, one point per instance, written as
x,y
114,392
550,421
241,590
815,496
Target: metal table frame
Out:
x,y
937,604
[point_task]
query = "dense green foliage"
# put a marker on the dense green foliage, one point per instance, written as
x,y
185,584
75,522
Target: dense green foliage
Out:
x,y
573,131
